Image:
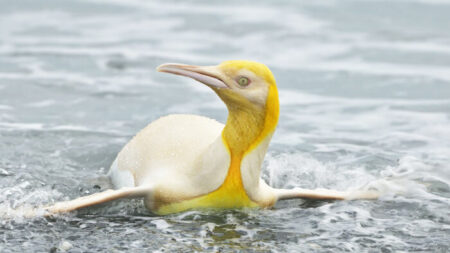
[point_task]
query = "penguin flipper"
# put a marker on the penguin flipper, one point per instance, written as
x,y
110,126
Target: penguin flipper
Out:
x,y
98,198
325,194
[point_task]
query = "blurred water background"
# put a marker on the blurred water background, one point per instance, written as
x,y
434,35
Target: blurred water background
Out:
x,y
365,101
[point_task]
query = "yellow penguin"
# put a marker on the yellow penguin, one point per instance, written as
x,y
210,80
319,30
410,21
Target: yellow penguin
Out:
x,y
181,162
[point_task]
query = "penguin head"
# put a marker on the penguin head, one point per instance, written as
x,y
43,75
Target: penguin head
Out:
x,y
242,85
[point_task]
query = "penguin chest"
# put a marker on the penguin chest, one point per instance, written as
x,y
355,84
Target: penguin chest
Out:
x,y
231,194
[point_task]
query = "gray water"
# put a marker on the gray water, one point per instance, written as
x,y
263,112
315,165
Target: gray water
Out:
x,y
365,102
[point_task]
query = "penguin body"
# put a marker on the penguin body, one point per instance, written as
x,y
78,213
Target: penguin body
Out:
x,y
181,156
181,162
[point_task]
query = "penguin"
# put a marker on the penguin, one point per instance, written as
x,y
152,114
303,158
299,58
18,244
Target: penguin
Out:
x,y
182,162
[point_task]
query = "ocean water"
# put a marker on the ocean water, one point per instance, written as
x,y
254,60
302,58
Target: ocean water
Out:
x,y
365,102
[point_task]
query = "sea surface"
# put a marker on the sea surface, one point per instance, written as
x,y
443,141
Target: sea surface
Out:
x,y
365,102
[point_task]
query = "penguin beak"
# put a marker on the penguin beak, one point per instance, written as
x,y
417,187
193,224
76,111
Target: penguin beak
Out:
x,y
208,75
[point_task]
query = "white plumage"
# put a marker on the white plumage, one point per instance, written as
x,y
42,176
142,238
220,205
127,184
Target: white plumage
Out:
x,y
182,154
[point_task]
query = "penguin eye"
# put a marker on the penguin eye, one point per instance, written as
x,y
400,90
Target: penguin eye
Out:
x,y
243,81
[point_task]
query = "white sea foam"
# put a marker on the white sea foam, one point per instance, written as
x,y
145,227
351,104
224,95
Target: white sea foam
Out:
x,y
43,103
6,107
161,224
21,126
22,201
4,126
301,170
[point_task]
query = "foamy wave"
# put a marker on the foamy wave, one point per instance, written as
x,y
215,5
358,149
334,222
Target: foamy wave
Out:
x,y
21,201
301,170
43,127
410,178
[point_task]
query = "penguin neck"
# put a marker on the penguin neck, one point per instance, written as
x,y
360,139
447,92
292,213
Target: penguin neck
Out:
x,y
247,128
243,130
